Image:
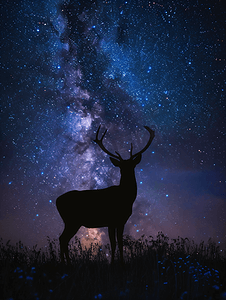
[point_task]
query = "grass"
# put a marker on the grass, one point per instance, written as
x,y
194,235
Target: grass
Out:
x,y
154,269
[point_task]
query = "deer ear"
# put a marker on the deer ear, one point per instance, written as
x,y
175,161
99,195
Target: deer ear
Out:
x,y
115,162
137,159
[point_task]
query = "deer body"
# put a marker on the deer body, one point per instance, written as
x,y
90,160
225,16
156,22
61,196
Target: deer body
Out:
x,y
110,207
96,208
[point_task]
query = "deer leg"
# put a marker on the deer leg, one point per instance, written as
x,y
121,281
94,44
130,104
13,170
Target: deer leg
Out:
x,y
120,230
111,233
67,234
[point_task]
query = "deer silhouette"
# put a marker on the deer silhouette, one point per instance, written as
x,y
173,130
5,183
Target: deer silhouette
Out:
x,y
110,207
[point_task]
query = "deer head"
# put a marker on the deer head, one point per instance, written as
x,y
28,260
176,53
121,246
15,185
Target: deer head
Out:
x,y
125,165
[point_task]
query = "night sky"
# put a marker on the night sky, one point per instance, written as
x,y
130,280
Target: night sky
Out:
x,y
67,67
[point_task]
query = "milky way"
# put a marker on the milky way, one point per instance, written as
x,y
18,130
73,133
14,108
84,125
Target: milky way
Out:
x,y
70,66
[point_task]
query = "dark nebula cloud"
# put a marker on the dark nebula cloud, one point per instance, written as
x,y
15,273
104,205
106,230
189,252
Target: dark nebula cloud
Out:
x,y
69,66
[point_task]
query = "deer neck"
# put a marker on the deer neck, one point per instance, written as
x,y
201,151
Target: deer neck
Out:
x,y
128,183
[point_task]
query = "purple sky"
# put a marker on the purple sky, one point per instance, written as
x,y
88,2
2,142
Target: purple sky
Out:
x,y
68,68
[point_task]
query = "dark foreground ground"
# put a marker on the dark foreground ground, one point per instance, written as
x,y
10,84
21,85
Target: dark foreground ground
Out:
x,y
154,269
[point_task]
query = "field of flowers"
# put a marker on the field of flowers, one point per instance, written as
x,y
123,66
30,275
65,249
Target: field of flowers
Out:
x,y
154,269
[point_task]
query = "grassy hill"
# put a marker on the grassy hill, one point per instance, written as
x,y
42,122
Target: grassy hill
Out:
x,y
154,269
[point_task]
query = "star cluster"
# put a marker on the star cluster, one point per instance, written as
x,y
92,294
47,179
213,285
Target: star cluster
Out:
x,y
69,66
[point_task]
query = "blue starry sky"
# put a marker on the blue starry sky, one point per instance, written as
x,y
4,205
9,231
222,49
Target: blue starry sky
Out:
x,y
69,66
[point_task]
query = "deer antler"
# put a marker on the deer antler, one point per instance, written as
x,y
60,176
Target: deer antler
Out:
x,y
152,135
118,156
100,144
